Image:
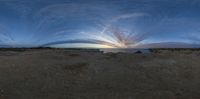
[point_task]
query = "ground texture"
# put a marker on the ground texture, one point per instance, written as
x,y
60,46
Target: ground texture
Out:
x,y
65,74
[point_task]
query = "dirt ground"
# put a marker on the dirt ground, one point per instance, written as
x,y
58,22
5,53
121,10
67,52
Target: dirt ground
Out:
x,y
65,74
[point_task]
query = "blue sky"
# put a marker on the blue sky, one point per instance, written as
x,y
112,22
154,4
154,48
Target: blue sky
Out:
x,y
99,23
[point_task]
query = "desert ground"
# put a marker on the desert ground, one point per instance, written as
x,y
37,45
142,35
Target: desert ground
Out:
x,y
77,74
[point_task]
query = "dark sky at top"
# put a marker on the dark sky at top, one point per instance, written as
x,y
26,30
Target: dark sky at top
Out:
x,y
99,23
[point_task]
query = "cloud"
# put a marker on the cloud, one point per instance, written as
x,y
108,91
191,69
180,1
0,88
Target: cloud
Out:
x,y
83,41
127,16
5,36
125,22
112,37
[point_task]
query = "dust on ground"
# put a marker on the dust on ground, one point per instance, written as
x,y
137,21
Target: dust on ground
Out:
x,y
64,74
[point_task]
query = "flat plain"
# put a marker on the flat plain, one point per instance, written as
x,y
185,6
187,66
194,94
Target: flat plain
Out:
x,y
82,74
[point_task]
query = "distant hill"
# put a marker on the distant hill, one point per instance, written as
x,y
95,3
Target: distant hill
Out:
x,y
5,46
169,45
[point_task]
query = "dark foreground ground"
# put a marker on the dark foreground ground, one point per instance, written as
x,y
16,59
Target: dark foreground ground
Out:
x,y
65,74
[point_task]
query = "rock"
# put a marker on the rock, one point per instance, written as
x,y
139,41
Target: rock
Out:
x,y
138,52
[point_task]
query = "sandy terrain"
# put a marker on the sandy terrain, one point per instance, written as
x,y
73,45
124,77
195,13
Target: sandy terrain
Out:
x,y
62,74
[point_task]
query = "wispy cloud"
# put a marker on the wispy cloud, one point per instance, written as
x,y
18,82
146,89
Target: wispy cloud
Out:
x,y
127,16
121,23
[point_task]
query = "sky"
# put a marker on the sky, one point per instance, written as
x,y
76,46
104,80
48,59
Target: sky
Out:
x,y
100,23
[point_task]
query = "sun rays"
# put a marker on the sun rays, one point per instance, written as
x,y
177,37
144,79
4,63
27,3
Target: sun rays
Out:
x,y
51,26
111,37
